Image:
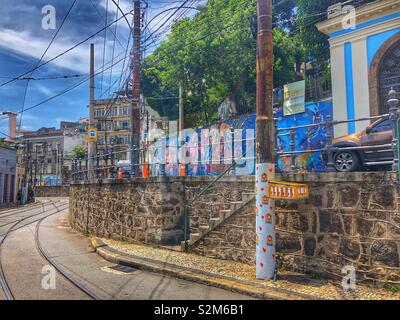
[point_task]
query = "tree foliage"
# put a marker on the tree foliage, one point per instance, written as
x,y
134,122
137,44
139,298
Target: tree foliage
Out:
x,y
212,56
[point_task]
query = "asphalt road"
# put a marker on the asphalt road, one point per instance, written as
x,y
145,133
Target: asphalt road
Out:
x,y
26,270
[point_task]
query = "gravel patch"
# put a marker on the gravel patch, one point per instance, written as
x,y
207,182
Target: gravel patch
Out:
x,y
295,282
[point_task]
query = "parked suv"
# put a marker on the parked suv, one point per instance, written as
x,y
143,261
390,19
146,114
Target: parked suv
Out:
x,y
378,133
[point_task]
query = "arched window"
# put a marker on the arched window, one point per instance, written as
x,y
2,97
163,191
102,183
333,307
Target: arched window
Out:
x,y
389,76
384,73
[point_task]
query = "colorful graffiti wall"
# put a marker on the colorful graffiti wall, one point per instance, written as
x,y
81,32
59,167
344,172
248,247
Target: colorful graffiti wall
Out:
x,y
209,151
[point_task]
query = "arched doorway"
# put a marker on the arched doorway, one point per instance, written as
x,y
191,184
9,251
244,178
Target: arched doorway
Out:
x,y
384,74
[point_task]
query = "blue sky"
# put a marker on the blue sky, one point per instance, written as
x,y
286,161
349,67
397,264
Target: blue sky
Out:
x,y
23,41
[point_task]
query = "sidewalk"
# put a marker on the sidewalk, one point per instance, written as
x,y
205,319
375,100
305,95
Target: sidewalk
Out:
x,y
230,275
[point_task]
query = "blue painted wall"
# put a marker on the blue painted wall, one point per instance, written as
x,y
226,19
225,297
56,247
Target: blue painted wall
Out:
x,y
349,86
376,41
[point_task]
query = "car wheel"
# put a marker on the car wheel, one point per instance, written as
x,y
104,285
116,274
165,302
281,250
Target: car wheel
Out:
x,y
347,161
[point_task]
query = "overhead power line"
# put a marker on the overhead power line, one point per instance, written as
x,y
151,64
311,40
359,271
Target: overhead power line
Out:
x,y
40,60
66,51
97,72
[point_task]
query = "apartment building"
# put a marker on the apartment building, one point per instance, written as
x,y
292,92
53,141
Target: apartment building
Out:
x,y
112,120
47,153
8,173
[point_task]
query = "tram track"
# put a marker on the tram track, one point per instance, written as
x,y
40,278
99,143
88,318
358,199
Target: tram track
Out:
x,y
17,210
15,215
57,266
3,280
4,284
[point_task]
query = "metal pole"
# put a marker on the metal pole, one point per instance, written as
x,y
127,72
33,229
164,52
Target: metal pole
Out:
x,y
393,103
135,112
292,149
329,145
91,144
181,110
265,127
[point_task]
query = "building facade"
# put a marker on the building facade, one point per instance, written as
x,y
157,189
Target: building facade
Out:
x,y
47,154
8,174
365,60
112,120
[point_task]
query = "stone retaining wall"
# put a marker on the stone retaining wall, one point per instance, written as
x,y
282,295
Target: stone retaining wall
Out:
x,y
350,219
146,211
52,191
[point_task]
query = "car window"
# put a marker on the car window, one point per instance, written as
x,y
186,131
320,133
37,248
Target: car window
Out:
x,y
383,126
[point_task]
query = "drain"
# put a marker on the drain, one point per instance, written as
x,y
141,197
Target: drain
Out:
x,y
119,269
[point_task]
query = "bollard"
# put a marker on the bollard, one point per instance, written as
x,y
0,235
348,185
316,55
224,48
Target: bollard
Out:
x,y
292,145
329,145
80,169
86,168
393,103
112,163
97,165
74,169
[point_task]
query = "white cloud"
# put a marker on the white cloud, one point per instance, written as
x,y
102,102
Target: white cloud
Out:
x,y
125,6
77,59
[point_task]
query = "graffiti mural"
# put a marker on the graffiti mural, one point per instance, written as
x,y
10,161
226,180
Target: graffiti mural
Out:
x,y
315,113
210,150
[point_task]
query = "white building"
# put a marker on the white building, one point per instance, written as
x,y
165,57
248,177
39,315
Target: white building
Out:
x,y
365,60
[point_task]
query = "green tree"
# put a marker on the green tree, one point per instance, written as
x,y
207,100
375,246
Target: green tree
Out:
x,y
212,55
79,152
315,43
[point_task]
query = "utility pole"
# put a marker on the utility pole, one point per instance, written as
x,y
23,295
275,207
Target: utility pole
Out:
x,y
135,111
181,110
91,143
265,168
182,167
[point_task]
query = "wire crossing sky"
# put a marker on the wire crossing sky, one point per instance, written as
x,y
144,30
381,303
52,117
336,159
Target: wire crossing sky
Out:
x,y
59,95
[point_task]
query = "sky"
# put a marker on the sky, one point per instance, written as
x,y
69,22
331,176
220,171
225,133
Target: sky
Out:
x,y
23,41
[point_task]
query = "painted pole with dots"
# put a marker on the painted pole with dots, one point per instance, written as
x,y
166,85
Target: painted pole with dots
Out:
x,y
265,223
265,138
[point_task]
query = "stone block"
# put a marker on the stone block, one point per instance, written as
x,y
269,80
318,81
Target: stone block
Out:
x,y
288,243
349,195
350,249
309,246
385,252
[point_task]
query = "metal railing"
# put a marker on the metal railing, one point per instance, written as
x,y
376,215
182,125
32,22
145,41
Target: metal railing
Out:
x,y
106,166
329,149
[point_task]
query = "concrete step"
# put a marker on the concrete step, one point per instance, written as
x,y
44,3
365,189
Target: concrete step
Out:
x,y
223,214
247,196
204,227
214,221
194,237
236,205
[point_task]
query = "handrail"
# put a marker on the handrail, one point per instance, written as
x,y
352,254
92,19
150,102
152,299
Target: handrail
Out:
x,y
336,122
204,190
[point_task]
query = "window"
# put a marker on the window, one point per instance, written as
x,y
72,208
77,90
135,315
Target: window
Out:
x,y
123,111
124,124
382,126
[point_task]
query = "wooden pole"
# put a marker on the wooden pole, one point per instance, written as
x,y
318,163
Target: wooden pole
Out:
x,y
265,127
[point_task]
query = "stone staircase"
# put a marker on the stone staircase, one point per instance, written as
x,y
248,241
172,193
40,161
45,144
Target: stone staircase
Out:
x,y
214,222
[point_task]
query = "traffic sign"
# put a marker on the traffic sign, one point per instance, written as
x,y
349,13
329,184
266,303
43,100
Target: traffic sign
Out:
x,y
92,134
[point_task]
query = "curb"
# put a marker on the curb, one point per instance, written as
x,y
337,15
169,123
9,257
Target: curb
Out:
x,y
194,275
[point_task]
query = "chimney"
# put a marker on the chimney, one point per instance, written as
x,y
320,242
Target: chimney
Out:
x,y
12,124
